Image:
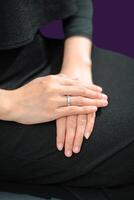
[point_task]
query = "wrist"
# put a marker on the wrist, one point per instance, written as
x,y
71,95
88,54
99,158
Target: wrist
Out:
x,y
6,104
77,49
77,64
81,71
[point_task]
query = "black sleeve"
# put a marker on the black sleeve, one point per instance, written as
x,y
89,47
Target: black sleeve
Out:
x,y
81,22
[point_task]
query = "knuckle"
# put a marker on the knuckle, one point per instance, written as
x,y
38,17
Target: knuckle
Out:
x,y
68,145
98,95
84,109
70,133
73,109
96,102
84,91
95,94
99,102
82,100
95,87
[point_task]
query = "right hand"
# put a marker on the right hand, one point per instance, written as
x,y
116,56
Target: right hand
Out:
x,y
43,99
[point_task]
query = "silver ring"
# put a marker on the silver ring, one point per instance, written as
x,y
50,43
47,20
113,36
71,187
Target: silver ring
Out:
x,y
68,100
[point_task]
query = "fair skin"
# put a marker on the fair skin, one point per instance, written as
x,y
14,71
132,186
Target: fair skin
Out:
x,y
77,63
43,99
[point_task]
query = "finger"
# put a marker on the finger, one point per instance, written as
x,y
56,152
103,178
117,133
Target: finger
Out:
x,y
74,110
60,136
83,101
96,87
81,124
67,81
70,134
90,124
79,90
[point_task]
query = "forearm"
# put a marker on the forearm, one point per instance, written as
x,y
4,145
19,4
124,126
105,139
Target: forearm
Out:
x,y
77,50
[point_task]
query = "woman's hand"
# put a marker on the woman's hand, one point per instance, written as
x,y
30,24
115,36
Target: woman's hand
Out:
x,y
71,129
43,99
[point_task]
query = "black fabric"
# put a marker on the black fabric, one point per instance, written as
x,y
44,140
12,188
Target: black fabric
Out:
x,y
28,153
51,192
81,22
20,20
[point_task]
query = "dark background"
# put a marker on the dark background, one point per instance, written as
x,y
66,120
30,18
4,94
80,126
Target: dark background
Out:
x,y
113,26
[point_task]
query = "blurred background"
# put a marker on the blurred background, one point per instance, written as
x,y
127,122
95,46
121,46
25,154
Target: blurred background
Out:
x,y
113,26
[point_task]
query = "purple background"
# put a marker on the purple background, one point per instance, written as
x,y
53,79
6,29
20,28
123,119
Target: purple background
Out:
x,y
113,26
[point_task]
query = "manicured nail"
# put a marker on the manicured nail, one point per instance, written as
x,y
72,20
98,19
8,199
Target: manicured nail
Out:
x,y
87,135
60,146
68,153
94,108
99,88
76,149
105,96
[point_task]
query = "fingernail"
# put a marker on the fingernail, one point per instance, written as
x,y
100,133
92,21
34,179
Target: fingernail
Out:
x,y
68,153
94,108
105,96
59,146
76,149
87,135
99,88
105,103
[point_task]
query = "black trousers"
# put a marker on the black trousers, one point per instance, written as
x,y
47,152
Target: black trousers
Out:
x,y
28,153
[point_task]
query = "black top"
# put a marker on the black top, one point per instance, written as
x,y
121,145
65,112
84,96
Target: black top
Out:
x,y
81,22
20,19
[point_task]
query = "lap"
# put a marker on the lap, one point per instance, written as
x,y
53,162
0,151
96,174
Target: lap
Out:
x,y
31,150
109,150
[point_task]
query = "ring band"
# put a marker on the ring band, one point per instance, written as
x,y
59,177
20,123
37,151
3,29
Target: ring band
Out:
x,y
68,100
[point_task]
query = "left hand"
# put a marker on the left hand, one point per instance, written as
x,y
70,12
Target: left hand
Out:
x,y
71,129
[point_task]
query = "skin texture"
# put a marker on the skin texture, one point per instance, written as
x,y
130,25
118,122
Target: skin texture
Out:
x,y
77,64
43,100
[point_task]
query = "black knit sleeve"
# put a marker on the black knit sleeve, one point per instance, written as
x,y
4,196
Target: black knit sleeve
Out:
x,y
81,22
